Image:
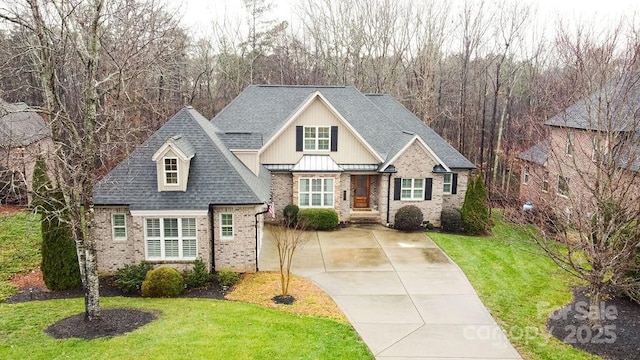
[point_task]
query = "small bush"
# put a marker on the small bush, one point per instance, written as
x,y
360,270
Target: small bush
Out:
x,y
164,281
408,218
198,276
319,219
290,213
129,278
451,221
227,277
428,226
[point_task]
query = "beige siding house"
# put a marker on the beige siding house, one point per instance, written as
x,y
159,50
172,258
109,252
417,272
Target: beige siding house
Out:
x,y
200,189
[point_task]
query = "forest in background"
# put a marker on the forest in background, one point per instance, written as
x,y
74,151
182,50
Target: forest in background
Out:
x,y
483,75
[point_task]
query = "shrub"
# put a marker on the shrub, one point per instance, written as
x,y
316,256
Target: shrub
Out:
x,y
60,269
451,221
475,210
290,213
198,276
408,218
164,281
227,277
319,219
130,277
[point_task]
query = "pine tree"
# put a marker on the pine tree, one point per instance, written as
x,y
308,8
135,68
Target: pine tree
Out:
x,y
475,210
59,266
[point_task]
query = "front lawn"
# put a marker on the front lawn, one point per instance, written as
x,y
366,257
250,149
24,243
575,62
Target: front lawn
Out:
x,y
185,329
20,242
519,285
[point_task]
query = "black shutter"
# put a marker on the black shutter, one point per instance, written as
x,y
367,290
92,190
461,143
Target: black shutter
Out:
x,y
334,138
454,183
428,188
397,188
299,137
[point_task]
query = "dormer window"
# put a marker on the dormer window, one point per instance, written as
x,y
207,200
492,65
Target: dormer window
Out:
x,y
171,171
173,160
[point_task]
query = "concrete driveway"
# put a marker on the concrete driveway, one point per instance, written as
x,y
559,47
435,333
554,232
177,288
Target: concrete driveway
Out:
x,y
403,295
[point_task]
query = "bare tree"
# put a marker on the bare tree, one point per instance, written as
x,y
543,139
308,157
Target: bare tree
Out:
x,y
287,237
590,191
86,55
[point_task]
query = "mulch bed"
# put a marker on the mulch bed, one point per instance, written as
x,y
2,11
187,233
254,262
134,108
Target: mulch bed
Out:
x,y
617,337
113,322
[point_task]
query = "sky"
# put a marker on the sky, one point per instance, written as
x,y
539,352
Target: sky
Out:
x,y
198,14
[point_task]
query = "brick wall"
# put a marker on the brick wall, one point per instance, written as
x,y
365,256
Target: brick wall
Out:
x,y
238,253
114,254
455,201
281,191
337,189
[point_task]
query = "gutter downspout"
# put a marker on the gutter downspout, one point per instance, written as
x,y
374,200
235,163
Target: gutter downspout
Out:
x,y
213,235
256,227
388,197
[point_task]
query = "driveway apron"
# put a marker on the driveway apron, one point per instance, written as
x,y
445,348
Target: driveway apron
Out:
x,y
402,294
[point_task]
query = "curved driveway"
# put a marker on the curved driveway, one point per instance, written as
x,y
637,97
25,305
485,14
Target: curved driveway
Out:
x,y
403,295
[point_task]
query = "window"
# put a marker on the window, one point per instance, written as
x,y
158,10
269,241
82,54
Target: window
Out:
x,y
171,238
412,189
226,226
119,226
545,181
563,185
315,192
317,138
171,171
446,183
570,140
525,175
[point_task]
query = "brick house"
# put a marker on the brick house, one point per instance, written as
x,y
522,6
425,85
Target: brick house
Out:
x,y
594,138
24,135
199,188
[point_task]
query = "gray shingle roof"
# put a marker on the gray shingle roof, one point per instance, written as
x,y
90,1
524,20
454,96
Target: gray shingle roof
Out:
x,y
406,121
538,153
19,126
183,144
616,106
216,176
379,120
241,141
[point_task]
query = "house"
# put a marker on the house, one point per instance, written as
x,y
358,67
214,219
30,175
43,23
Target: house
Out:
x,y
24,135
199,188
595,139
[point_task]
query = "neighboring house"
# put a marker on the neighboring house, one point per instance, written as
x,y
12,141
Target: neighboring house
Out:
x,y
197,187
596,135
24,136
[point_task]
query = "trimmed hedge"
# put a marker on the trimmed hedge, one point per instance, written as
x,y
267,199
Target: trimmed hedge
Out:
x,y
164,281
319,219
408,218
228,277
290,213
451,221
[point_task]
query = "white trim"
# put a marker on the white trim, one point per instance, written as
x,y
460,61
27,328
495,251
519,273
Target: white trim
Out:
x,y
322,192
165,171
113,227
163,239
233,226
409,143
169,213
450,192
335,112
169,144
413,188
315,139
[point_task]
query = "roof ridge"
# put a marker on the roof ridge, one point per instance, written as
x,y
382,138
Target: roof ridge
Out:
x,y
226,153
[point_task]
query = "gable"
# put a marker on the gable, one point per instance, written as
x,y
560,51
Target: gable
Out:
x,y
351,148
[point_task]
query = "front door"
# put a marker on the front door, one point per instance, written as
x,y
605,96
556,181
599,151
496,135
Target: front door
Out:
x,y
362,187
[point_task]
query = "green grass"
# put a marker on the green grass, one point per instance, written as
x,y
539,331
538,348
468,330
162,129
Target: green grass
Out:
x,y
519,285
185,329
20,242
